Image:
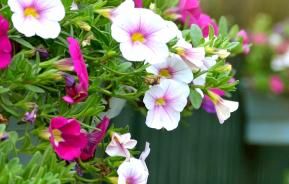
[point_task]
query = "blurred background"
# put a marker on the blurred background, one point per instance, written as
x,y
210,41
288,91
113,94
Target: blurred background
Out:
x,y
252,147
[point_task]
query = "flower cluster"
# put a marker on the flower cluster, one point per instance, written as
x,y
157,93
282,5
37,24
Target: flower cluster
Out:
x,y
268,62
68,68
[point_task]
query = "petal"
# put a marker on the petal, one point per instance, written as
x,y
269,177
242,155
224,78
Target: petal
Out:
x,y
201,80
151,95
155,52
119,34
116,151
181,71
146,152
5,60
130,144
223,112
153,119
72,127
133,52
17,6
51,10
67,152
47,29
233,106
58,122
78,141
174,90
26,26
163,118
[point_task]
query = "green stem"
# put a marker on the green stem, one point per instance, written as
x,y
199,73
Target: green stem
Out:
x,y
88,180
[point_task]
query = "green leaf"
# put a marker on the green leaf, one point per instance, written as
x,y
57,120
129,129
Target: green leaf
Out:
x,y
34,88
223,26
195,99
3,90
196,35
23,42
67,3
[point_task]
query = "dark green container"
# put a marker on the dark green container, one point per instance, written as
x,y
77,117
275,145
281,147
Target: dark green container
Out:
x,y
201,151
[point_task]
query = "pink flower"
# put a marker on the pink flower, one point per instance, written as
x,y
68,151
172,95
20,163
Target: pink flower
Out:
x,y
138,3
246,42
67,138
5,45
77,92
94,138
276,85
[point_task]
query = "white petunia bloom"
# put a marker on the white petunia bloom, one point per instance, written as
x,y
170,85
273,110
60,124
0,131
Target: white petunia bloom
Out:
x,y
120,144
172,68
164,103
134,171
223,107
192,56
37,17
143,35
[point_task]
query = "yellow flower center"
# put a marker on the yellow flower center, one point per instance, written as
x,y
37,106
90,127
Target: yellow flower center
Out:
x,y
165,73
160,101
57,136
137,37
30,11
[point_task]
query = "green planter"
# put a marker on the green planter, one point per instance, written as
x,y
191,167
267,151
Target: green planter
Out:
x,y
267,119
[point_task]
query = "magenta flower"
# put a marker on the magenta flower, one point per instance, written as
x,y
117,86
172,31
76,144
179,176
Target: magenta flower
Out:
x,y
191,13
5,44
204,22
67,138
276,85
77,92
189,9
138,3
246,42
94,138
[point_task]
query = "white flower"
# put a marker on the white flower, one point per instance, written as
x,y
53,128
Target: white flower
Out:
x,y
120,144
172,68
164,103
223,107
143,35
192,56
37,17
134,171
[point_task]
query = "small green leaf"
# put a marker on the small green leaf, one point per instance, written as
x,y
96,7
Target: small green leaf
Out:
x,y
3,90
23,42
196,99
34,88
223,26
196,35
